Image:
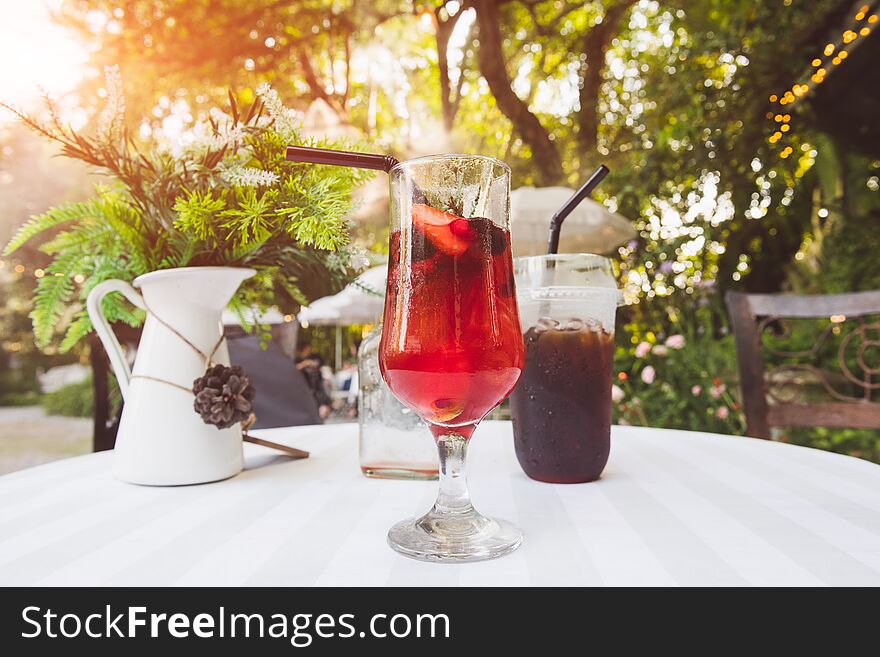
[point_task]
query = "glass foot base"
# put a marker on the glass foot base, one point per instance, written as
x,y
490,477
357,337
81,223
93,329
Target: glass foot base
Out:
x,y
454,538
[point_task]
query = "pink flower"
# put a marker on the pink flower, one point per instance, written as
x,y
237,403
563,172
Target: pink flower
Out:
x,y
696,390
648,375
643,349
717,390
675,341
660,350
722,413
617,394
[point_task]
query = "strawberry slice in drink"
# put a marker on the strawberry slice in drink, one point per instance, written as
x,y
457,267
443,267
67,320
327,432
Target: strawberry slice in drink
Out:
x,y
449,233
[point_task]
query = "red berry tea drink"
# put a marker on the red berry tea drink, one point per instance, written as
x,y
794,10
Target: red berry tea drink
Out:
x,y
561,407
452,345
451,354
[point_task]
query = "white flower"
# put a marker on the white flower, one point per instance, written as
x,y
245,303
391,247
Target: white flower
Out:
x,y
643,349
202,138
675,341
660,350
111,117
249,177
617,394
284,119
359,260
717,391
648,375
220,117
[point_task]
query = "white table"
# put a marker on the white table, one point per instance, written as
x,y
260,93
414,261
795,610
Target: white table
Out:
x,y
673,508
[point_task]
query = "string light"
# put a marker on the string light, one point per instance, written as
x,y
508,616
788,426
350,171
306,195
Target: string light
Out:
x,y
837,53
39,272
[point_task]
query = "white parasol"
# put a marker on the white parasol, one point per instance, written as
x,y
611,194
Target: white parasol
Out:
x,y
590,228
361,302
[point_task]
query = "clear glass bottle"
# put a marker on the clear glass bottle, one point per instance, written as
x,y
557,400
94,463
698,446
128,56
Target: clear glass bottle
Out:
x,y
394,442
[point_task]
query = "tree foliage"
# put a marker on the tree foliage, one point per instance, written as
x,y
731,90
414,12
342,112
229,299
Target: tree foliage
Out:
x,y
669,94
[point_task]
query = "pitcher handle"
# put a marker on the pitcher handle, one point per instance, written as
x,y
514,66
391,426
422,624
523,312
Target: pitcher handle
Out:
x,y
105,333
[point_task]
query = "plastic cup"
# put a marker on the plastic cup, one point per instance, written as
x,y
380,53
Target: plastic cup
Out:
x,y
561,406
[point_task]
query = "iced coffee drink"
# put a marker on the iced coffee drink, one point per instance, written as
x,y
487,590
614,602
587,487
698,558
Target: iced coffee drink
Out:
x,y
561,406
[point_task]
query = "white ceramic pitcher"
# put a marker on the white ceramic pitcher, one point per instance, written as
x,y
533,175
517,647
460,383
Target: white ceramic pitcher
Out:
x,y
162,440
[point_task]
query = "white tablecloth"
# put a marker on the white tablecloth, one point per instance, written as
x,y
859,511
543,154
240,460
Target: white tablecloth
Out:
x,y
673,508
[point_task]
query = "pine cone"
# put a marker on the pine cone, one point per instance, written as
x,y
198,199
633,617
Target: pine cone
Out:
x,y
224,396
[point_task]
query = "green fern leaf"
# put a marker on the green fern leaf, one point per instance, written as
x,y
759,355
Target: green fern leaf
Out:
x,y
51,295
117,310
53,217
78,329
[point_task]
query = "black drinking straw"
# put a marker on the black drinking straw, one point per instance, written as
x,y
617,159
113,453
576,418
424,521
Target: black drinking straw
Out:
x,y
567,207
349,159
341,158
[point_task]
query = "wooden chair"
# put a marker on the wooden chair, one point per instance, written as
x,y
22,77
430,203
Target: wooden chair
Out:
x,y
753,314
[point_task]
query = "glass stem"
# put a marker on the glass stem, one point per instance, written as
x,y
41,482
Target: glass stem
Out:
x,y
453,498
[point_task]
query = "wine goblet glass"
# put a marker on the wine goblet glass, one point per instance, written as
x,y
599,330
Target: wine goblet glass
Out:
x,y
451,346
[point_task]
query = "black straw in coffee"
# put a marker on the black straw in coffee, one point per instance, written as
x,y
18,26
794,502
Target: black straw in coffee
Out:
x,y
567,208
